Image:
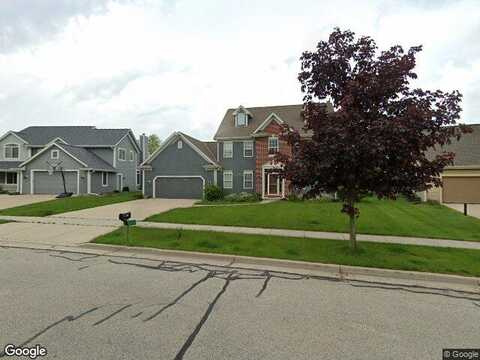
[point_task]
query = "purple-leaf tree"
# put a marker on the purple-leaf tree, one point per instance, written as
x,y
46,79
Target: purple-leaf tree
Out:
x,y
375,140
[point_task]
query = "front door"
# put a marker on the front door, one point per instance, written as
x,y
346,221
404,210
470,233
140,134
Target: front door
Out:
x,y
119,182
273,184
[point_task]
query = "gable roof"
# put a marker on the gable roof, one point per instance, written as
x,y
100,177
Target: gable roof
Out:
x,y
209,148
74,135
88,157
268,120
14,134
292,115
84,156
206,149
467,150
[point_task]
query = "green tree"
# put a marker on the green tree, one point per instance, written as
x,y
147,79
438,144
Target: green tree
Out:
x,y
153,143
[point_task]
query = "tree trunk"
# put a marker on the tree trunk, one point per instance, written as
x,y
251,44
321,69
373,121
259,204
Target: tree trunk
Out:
x,y
353,228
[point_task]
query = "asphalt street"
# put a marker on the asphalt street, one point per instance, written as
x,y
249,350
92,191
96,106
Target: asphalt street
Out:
x,y
82,306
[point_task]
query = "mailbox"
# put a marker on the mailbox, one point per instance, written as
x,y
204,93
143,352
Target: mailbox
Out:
x,y
124,217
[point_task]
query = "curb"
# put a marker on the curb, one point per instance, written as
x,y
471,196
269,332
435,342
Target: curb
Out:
x,y
338,271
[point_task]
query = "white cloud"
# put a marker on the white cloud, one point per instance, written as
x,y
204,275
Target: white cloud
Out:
x,y
164,66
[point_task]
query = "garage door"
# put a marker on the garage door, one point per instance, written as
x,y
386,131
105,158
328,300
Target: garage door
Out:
x,y
179,187
461,190
43,183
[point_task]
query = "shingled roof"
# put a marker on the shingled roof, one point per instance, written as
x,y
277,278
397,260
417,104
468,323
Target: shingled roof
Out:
x,y
92,160
73,135
467,150
209,148
290,114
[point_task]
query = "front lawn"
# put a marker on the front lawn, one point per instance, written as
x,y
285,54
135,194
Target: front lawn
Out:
x,y
380,217
58,206
388,256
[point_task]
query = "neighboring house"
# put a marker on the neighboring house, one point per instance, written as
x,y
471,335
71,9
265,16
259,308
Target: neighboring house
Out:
x,y
461,182
93,160
240,159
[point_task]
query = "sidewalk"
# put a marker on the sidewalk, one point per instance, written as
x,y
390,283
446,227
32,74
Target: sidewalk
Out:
x,y
247,230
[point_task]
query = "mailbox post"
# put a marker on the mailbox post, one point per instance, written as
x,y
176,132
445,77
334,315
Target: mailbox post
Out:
x,y
125,218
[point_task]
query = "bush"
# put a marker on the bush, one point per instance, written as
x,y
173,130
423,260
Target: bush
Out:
x,y
413,198
126,188
243,197
294,197
213,193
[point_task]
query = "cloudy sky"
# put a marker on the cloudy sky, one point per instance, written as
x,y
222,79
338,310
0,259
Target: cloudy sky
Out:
x,y
159,66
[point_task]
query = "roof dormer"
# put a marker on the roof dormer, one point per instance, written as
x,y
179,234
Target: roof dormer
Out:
x,y
241,116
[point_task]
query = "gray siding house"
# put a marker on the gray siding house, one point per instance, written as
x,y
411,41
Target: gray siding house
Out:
x,y
92,160
241,159
180,168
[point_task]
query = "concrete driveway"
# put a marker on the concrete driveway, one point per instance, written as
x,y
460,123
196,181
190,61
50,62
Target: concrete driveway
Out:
x,y
8,201
97,221
472,209
140,209
26,234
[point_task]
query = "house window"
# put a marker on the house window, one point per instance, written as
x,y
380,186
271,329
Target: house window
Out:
x,y
240,119
228,150
132,155
228,179
11,178
11,151
248,148
54,154
179,144
104,178
272,145
122,154
139,177
248,179
8,178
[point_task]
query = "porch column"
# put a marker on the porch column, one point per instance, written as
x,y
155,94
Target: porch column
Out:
x,y
89,182
263,182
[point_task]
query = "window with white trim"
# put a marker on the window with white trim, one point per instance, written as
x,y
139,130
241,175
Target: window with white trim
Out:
x,y
228,179
104,178
241,119
132,155
179,144
272,145
11,151
248,148
228,150
248,179
122,154
11,178
54,155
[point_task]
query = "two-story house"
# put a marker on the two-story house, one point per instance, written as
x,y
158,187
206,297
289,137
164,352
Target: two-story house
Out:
x,y
241,159
36,159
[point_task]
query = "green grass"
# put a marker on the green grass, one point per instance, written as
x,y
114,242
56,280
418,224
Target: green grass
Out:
x,y
388,256
380,217
58,206
225,202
